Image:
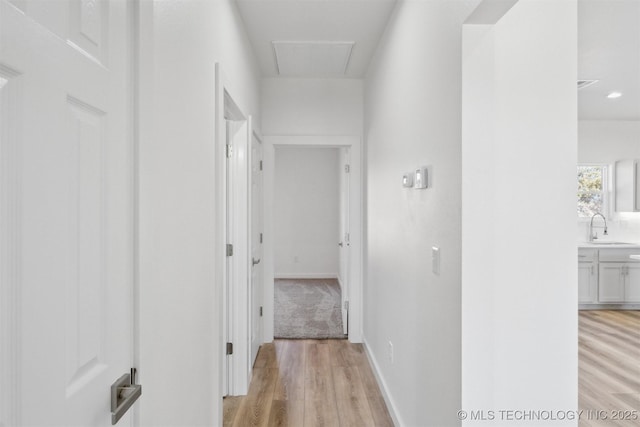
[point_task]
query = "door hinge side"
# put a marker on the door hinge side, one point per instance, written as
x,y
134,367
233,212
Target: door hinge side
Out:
x,y
229,150
229,249
346,305
229,348
260,164
260,311
260,237
347,168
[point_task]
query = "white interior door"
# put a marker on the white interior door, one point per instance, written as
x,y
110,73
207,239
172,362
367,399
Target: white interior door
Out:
x,y
236,366
65,67
344,238
256,246
227,315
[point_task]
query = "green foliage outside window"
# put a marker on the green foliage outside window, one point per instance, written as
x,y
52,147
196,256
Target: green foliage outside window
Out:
x,y
590,190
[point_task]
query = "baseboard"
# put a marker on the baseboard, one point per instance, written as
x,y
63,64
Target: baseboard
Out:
x,y
391,406
305,276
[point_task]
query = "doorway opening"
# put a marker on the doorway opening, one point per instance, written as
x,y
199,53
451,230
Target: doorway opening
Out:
x,y
311,242
347,217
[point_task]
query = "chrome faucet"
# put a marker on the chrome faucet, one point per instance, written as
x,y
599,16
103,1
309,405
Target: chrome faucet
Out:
x,y
593,236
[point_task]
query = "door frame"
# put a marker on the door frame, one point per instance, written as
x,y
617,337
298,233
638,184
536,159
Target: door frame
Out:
x,y
236,326
9,247
354,143
254,134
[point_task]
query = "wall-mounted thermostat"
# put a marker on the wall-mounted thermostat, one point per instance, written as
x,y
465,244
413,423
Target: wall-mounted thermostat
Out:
x,y
407,180
422,178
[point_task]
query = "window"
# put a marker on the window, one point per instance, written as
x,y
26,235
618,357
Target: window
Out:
x,y
592,193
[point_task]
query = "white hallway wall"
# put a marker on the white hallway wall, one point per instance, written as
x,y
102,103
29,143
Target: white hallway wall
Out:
x,y
606,142
413,118
519,154
179,306
306,212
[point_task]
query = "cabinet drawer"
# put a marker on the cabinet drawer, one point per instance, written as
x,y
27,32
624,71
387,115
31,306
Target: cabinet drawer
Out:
x,y
618,255
587,255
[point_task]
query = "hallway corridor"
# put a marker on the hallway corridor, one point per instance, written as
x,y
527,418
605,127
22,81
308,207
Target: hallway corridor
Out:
x,y
310,383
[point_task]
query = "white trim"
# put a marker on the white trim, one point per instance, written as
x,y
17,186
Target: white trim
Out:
x,y
391,405
240,264
356,220
306,276
10,225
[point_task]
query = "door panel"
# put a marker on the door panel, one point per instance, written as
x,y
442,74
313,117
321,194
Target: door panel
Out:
x,y
611,282
344,238
256,246
73,180
586,283
632,283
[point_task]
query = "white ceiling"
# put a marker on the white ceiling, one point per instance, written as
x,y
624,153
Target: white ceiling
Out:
x,y
359,21
609,51
608,44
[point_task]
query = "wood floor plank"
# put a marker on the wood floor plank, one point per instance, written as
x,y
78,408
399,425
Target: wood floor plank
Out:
x,y
609,366
379,412
255,409
230,405
318,355
287,413
266,357
310,383
352,403
321,413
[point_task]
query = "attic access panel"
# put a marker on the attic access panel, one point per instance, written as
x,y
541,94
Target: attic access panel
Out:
x,y
314,58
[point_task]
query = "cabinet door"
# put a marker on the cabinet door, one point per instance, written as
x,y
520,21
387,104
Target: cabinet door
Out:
x,y
632,282
627,188
611,282
587,279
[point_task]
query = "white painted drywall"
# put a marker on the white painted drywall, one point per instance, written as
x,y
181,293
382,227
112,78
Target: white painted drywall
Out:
x,y
606,142
179,306
306,212
413,118
519,317
311,106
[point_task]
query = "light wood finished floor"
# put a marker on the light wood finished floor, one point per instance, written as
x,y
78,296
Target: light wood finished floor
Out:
x,y
310,383
609,367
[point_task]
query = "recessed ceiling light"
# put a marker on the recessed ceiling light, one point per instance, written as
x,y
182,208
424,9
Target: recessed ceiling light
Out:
x,y
614,95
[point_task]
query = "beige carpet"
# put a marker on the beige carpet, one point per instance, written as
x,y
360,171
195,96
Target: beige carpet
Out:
x,y
308,308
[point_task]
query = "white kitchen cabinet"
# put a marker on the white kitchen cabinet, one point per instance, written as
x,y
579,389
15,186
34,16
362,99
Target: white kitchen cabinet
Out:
x,y
587,283
608,276
619,282
611,282
632,283
587,276
627,186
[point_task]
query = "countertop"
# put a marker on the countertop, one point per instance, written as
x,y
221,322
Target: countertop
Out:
x,y
617,245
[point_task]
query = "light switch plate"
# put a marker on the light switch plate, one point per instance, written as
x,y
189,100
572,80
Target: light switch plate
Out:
x,y
435,260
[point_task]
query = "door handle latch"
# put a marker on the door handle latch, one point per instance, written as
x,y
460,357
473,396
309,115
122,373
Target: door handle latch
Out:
x,y
255,261
123,394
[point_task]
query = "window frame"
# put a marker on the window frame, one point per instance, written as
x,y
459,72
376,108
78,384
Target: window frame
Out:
x,y
606,188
